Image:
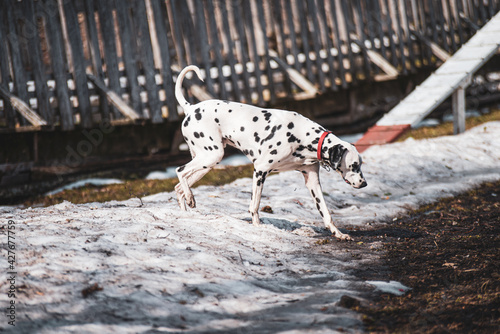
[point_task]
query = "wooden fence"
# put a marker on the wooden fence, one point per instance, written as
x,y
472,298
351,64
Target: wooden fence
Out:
x,y
75,63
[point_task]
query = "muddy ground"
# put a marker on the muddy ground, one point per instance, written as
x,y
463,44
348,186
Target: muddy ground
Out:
x,y
448,253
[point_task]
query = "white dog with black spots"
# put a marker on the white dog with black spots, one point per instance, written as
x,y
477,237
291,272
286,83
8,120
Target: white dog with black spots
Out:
x,y
274,140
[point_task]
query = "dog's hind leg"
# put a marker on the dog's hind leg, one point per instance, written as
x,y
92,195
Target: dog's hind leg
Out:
x,y
311,176
191,173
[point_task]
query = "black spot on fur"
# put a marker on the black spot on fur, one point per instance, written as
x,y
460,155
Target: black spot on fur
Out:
x,y
278,143
255,119
216,120
197,114
292,139
242,128
257,138
274,152
270,161
202,135
180,169
196,135
216,147
186,122
290,125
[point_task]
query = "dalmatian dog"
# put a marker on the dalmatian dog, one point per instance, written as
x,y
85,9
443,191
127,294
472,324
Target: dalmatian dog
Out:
x,y
274,140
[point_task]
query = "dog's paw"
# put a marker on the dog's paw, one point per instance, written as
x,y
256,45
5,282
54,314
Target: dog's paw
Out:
x,y
191,202
342,236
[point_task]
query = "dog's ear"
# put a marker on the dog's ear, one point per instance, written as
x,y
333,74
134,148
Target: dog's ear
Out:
x,y
336,154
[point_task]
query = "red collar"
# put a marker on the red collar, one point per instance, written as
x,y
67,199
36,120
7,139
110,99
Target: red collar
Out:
x,y
320,143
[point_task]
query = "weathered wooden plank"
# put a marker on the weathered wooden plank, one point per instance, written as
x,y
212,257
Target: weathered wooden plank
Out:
x,y
23,108
10,114
59,66
189,32
340,56
237,13
253,46
269,71
33,43
177,34
109,42
201,31
18,70
353,64
95,54
309,89
216,47
302,17
230,54
316,33
160,15
129,54
147,61
358,22
279,30
293,37
327,33
114,98
79,75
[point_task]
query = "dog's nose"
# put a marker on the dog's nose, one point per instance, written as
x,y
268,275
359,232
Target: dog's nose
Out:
x,y
364,184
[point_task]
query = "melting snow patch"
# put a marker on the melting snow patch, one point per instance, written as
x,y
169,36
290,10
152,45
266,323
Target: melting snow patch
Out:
x,y
82,183
392,287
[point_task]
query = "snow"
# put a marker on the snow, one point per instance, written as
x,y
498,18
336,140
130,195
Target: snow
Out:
x,y
208,269
85,182
391,287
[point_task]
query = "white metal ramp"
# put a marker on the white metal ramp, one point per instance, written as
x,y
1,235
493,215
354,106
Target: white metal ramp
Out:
x,y
451,78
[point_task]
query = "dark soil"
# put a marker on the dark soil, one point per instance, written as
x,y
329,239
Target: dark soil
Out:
x,y
449,254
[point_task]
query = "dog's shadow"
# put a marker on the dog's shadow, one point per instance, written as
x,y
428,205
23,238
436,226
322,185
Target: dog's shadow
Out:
x,y
287,225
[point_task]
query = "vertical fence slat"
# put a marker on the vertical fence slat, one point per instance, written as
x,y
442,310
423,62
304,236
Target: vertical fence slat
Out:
x,y
110,55
283,50
10,113
358,22
230,54
236,9
128,54
148,62
267,58
201,30
79,75
406,27
179,43
253,45
332,73
216,47
18,69
34,44
304,38
59,68
160,15
95,54
293,36
316,33
340,54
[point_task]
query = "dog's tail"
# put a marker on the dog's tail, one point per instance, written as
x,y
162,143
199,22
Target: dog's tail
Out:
x,y
178,84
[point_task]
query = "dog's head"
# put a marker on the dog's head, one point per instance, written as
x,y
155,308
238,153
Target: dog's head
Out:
x,y
345,159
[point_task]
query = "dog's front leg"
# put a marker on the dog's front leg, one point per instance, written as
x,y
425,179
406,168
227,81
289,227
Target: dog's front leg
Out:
x,y
311,177
258,183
